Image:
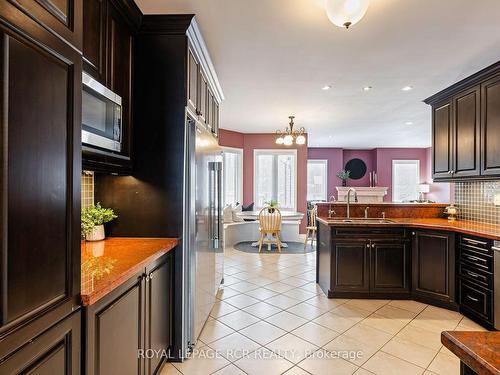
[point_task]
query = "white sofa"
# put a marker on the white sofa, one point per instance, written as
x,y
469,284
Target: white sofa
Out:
x,y
248,231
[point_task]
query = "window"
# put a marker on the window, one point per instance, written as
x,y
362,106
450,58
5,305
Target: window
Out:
x,y
275,177
233,175
405,180
317,180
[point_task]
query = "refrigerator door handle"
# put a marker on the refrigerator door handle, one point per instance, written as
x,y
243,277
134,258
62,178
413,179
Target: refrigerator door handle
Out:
x,y
218,207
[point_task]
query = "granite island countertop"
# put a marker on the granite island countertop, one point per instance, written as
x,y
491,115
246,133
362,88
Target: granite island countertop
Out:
x,y
461,226
480,351
107,264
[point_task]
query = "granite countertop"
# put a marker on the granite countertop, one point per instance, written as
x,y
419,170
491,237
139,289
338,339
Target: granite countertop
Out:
x,y
107,264
478,350
461,226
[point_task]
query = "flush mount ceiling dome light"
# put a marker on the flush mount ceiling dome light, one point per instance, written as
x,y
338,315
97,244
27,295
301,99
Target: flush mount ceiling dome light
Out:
x,y
289,136
344,13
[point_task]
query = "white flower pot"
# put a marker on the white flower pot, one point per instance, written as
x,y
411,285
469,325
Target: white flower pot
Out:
x,y
97,234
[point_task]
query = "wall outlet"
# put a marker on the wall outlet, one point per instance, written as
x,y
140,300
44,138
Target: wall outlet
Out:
x,y
496,199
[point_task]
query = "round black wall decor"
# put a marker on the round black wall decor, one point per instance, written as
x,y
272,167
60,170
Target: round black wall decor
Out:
x,y
357,168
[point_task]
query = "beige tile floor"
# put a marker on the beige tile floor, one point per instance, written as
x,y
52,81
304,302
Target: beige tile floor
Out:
x,y
271,318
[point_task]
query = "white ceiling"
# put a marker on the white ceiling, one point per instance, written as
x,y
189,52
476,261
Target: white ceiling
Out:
x,y
273,56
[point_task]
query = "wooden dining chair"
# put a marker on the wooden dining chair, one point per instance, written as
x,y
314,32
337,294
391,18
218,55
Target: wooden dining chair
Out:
x,y
270,224
311,226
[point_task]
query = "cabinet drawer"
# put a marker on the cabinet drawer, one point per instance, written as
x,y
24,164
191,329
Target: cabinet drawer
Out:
x,y
475,299
476,244
477,260
369,231
475,275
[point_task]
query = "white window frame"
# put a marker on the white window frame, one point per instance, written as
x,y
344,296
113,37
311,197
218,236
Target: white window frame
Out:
x,y
239,151
256,152
394,163
318,161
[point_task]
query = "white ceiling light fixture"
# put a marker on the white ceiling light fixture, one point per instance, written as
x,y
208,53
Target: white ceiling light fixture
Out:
x,y
345,13
326,87
289,136
409,123
367,88
407,88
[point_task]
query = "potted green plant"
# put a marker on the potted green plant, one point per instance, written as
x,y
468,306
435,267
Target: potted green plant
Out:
x,y
93,219
344,175
272,204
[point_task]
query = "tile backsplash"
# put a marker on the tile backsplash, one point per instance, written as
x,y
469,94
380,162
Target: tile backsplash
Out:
x,y
476,201
87,189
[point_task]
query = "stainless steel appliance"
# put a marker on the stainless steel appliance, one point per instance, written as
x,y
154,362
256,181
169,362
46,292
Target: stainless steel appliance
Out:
x,y
203,228
496,284
101,116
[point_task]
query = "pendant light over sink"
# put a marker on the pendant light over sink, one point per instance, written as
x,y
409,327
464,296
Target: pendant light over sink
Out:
x,y
289,136
345,13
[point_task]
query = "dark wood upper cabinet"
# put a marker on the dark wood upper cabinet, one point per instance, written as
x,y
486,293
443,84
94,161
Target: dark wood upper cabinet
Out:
x,y
433,262
109,29
40,162
466,128
442,145
466,133
203,98
390,261
119,52
94,38
193,77
63,17
490,127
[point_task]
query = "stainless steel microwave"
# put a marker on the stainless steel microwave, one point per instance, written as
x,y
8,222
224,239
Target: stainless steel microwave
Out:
x,y
101,116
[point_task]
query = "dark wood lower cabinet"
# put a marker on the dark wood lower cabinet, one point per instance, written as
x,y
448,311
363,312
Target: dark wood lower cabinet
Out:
x,y
123,326
390,266
350,266
433,263
55,351
158,311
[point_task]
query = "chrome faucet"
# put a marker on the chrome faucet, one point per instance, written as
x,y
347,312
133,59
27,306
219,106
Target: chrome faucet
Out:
x,y
366,212
349,200
331,211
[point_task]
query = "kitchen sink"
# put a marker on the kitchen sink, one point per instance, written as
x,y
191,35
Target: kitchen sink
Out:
x,y
359,220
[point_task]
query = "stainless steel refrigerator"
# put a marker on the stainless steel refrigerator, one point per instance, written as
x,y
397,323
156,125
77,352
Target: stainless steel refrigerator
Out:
x,y
203,229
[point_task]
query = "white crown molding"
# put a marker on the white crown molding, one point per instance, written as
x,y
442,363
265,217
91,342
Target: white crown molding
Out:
x,y
201,53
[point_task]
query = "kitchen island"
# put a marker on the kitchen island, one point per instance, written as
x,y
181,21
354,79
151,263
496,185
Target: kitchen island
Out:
x,y
406,255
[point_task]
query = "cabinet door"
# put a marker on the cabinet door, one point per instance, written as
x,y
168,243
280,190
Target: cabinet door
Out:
x,y
215,125
64,17
350,266
119,54
433,262
55,351
490,127
40,171
389,269
193,87
442,144
203,93
466,135
94,38
158,312
115,331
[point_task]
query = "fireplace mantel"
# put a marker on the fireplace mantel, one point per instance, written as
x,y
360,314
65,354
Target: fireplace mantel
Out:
x,y
365,194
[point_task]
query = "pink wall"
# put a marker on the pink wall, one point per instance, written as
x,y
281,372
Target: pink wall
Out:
x,y
335,159
251,142
380,160
228,138
370,159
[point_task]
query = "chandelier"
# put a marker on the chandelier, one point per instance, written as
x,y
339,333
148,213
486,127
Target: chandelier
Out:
x,y
344,13
289,136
